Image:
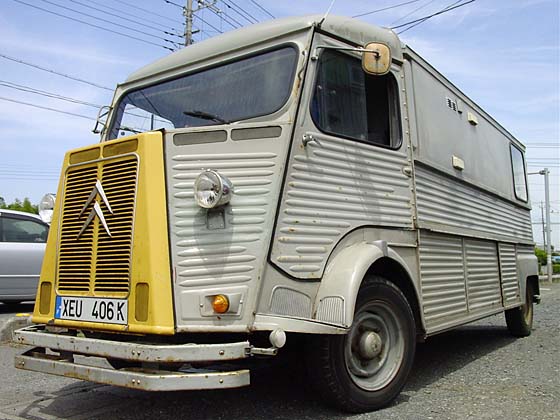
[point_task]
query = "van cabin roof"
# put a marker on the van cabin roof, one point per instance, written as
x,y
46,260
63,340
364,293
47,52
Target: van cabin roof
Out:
x,y
353,30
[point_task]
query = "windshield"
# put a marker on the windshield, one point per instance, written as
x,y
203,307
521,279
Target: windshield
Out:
x,y
247,88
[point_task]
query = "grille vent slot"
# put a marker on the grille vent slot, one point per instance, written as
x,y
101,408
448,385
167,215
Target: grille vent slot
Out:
x,y
96,264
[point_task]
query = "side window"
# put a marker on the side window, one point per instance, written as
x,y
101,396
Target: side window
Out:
x,y
21,230
519,180
350,103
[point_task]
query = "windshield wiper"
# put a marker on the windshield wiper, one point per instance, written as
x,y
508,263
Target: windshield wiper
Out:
x,y
130,130
205,116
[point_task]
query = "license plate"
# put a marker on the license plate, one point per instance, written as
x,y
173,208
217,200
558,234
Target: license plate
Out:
x,y
111,311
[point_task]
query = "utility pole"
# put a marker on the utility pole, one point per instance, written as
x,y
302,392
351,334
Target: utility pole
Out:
x,y
543,230
547,229
189,17
545,172
189,12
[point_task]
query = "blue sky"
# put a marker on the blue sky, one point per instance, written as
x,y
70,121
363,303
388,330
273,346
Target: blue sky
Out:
x,y
504,54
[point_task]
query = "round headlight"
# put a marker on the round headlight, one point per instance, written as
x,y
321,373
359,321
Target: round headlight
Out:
x,y
211,189
46,207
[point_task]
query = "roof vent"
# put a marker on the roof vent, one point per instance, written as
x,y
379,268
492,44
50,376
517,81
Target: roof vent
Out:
x,y
451,104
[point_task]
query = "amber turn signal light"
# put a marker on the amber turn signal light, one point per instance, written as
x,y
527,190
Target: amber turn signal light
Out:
x,y
220,304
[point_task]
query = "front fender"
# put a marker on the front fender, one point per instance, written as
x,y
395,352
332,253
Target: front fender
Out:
x,y
336,297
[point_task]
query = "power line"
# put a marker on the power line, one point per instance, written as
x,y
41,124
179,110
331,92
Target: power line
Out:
x,y
150,12
209,24
226,18
144,24
386,8
240,11
417,22
263,9
77,79
44,93
93,25
8,178
423,19
11,171
412,12
110,22
177,31
174,4
47,108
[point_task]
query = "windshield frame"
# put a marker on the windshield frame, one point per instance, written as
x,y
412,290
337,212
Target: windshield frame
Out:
x,y
214,64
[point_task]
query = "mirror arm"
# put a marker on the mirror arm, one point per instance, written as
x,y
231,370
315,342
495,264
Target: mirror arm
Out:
x,y
353,49
98,120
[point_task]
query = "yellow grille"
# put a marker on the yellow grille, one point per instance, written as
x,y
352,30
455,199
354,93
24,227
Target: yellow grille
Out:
x,y
95,263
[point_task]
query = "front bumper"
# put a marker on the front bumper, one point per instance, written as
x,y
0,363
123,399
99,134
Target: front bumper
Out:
x,y
83,358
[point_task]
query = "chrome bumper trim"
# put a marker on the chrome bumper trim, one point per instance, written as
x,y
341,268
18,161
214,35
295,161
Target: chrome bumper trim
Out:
x,y
155,380
36,335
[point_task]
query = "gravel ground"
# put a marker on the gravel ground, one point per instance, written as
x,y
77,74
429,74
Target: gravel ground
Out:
x,y
477,371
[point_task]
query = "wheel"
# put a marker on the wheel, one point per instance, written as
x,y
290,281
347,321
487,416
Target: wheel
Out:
x,y
367,368
11,302
520,320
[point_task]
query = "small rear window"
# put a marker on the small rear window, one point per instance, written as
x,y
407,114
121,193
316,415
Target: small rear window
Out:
x,y
519,180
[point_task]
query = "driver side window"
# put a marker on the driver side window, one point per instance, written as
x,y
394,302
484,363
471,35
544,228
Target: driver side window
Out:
x,y
349,103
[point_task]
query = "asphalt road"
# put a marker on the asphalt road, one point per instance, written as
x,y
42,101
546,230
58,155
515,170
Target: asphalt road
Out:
x,y
478,371
8,311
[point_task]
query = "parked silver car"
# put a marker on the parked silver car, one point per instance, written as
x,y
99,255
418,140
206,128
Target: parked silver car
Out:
x,y
22,245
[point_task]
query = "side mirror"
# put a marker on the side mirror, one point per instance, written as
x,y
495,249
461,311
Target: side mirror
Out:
x,y
376,58
46,207
101,120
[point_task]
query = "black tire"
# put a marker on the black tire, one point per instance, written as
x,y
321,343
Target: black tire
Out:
x,y
520,320
367,368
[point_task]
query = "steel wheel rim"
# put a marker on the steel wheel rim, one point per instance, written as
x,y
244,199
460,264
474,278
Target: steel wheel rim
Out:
x,y
367,372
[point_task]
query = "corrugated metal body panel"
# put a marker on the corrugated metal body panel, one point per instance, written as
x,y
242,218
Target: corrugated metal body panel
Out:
x,y
221,256
510,279
457,208
525,250
443,278
483,277
333,187
215,251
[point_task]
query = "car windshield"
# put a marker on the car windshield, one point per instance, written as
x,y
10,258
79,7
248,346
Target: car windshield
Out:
x,y
247,88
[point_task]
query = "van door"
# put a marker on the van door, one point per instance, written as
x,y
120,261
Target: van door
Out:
x,y
349,165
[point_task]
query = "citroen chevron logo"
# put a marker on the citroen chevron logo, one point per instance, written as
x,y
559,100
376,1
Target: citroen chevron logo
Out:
x,y
96,210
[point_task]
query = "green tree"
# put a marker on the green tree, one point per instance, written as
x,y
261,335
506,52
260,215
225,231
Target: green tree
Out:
x,y
541,255
19,205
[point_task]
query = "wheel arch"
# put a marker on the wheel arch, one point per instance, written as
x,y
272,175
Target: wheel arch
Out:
x,y
534,280
396,272
336,298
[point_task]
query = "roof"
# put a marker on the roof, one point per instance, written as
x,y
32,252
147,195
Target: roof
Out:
x,y
20,213
348,28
